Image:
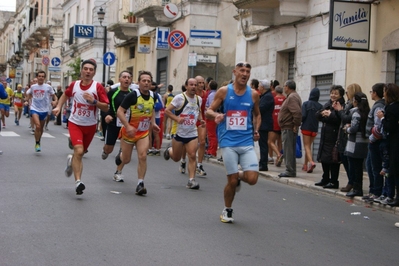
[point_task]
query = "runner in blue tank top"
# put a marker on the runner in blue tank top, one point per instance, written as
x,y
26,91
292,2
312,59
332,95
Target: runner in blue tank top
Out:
x,y
237,104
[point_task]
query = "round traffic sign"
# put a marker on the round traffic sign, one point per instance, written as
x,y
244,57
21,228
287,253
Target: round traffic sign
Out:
x,y
177,39
170,10
45,60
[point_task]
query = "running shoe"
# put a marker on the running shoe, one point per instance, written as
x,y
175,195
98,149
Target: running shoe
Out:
x,y
68,169
118,177
38,148
118,160
17,122
80,187
32,132
140,189
166,155
168,136
104,155
70,143
227,216
156,152
200,171
270,160
182,167
149,152
192,184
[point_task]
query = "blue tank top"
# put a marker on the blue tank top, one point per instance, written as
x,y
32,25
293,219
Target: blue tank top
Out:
x,y
236,129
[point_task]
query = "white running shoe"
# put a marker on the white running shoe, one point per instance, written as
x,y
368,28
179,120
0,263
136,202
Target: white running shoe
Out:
x,y
68,169
118,177
192,184
104,155
227,216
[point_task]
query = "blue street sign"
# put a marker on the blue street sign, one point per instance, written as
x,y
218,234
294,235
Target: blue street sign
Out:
x,y
55,61
83,31
109,58
162,38
8,80
206,34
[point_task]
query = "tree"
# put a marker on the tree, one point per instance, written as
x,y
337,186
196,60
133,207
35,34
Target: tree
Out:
x,y
75,65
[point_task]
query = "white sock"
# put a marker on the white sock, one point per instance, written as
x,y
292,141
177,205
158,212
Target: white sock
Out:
x,y
140,181
183,160
199,164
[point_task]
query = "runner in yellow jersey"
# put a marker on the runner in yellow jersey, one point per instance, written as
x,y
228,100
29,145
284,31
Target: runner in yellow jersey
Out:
x,y
18,101
136,114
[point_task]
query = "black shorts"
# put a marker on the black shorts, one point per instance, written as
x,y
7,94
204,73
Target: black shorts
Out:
x,y
111,135
184,140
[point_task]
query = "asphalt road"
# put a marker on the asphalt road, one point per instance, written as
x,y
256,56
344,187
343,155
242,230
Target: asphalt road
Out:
x,y
43,222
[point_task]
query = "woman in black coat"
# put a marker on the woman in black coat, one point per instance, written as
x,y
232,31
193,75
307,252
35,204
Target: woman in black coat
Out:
x,y
329,134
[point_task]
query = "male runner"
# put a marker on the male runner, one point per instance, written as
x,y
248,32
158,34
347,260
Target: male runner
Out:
x,y
236,133
136,113
40,94
187,111
88,96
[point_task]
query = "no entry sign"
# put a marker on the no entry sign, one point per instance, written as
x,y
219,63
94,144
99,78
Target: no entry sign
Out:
x,y
177,39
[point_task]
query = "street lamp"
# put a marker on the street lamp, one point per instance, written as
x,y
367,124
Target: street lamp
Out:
x,y
101,15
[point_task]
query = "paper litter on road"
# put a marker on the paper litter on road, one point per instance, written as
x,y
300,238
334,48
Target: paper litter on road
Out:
x,y
116,192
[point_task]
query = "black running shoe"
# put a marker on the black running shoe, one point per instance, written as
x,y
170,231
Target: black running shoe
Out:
x,y
140,189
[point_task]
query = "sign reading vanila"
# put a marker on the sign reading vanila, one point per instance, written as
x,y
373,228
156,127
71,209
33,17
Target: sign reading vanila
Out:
x,y
349,25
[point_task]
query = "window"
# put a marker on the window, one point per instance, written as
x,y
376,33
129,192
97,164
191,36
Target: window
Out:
x,y
132,52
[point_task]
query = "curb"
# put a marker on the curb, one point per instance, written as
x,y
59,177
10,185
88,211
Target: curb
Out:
x,y
306,184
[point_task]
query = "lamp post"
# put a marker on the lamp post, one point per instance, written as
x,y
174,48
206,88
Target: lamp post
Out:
x,y
101,15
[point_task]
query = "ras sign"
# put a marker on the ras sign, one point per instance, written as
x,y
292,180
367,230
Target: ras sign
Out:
x,y
83,31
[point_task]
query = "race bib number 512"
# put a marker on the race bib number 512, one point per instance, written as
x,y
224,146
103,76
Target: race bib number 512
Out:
x,y
236,120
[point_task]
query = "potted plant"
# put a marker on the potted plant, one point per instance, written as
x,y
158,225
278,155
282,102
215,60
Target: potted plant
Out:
x,y
130,17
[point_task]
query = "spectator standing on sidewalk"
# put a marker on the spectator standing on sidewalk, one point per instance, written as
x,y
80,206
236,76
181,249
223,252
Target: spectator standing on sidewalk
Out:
x,y
374,157
345,116
289,119
309,127
357,146
266,108
329,134
391,127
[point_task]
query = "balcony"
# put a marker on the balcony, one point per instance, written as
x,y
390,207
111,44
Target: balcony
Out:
x,y
124,30
152,12
37,31
273,12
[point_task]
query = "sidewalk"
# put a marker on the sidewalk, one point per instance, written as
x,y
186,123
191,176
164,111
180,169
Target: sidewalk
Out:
x,y
307,181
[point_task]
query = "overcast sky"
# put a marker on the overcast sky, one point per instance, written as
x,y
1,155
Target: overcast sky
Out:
x,y
7,5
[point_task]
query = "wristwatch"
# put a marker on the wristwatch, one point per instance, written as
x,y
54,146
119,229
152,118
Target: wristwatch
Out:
x,y
94,102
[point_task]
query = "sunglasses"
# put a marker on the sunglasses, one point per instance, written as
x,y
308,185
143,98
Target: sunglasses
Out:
x,y
243,65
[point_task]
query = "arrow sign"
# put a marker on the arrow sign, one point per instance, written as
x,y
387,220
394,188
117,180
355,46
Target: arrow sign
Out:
x,y
55,61
206,34
109,59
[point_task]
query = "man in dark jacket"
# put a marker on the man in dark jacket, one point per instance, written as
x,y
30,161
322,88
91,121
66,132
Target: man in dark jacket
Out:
x,y
266,107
